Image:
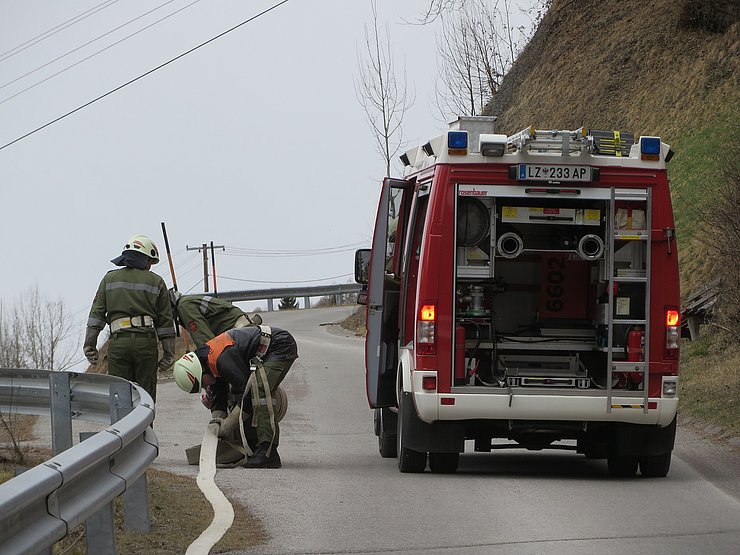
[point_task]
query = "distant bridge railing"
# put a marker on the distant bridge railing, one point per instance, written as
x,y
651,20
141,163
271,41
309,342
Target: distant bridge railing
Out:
x,y
48,501
305,292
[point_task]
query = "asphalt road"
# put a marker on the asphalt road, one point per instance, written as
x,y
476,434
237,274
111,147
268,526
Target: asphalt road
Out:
x,y
335,494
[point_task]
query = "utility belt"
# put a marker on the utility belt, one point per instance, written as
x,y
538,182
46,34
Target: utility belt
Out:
x,y
131,322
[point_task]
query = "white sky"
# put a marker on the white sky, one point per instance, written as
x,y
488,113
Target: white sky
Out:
x,y
255,141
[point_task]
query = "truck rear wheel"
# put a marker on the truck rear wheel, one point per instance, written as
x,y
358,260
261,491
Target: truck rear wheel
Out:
x,y
622,466
655,466
444,463
408,459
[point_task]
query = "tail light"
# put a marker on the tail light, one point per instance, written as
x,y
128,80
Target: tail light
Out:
x,y
672,332
425,330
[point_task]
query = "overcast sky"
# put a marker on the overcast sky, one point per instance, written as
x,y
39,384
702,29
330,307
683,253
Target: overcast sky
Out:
x,y
255,141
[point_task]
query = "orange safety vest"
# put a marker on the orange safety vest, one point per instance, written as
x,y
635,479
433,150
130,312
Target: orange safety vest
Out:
x,y
217,346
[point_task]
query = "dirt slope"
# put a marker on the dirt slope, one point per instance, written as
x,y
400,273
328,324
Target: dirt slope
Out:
x,y
647,66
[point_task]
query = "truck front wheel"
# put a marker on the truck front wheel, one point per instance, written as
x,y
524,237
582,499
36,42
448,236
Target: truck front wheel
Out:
x,y
408,459
655,466
386,441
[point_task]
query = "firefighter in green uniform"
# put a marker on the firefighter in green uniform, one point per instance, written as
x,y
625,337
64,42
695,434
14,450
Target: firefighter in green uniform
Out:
x,y
134,302
253,362
204,316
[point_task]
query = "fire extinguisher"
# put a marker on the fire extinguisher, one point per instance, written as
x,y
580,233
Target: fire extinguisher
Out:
x,y
636,350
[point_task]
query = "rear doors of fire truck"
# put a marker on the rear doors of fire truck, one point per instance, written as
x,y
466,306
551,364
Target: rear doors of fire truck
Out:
x,y
384,293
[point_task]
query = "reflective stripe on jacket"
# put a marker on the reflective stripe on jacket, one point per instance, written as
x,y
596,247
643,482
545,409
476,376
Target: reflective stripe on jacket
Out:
x,y
129,292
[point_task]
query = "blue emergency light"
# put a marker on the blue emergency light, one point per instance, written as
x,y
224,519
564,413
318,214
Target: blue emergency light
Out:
x,y
457,139
650,145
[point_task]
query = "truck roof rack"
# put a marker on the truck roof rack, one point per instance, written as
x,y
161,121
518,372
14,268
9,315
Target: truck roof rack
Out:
x,y
572,143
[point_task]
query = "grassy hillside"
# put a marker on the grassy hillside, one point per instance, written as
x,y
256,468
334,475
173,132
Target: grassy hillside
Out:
x,y
663,67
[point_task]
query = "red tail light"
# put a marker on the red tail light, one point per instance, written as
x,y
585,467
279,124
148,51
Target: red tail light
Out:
x,y
425,330
671,317
672,332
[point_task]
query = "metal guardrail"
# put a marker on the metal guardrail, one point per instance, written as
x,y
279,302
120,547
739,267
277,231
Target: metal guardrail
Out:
x,y
45,503
305,292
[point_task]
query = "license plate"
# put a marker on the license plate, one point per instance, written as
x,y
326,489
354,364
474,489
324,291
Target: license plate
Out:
x,y
539,172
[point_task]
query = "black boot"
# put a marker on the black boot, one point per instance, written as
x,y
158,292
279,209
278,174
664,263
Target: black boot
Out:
x,y
261,460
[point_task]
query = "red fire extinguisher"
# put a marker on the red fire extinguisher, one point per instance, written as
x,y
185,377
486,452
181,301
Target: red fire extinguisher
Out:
x,y
636,350
636,345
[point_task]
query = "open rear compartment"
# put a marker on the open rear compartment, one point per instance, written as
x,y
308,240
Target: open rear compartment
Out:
x,y
551,290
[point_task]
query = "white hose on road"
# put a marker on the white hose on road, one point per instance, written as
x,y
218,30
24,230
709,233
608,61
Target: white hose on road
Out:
x,y
223,512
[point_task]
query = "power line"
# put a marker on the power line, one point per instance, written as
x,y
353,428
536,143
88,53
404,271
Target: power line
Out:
x,y
94,54
143,74
54,30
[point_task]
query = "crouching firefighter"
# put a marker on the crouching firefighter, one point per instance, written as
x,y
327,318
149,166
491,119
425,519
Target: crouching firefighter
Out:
x,y
252,361
204,316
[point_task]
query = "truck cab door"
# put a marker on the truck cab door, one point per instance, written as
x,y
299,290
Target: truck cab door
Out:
x,y
384,284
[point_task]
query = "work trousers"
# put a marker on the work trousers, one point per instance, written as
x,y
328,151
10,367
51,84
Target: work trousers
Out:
x,y
276,371
133,355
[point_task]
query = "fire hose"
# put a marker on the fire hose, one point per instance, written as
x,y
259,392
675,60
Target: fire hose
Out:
x,y
223,512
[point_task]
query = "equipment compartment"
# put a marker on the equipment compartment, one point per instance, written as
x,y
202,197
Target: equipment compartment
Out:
x,y
547,290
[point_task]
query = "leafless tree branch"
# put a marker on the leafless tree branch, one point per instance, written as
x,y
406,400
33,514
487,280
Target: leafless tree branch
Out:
x,y
384,97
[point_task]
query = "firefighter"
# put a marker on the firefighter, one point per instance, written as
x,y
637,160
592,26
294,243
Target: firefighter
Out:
x,y
134,302
204,317
252,361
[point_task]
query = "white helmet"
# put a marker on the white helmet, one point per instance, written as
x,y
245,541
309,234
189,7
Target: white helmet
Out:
x,y
188,373
142,244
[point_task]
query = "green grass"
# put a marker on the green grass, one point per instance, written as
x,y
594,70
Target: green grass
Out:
x,y
710,380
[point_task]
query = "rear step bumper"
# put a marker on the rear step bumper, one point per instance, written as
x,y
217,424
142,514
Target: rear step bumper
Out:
x,y
626,407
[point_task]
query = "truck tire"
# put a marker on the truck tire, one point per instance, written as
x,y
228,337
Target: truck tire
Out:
x,y
386,441
408,459
444,463
622,466
655,466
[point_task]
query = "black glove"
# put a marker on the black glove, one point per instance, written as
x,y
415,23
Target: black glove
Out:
x,y
168,354
90,347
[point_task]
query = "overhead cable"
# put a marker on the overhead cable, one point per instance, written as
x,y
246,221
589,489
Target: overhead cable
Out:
x,y
54,30
143,75
95,53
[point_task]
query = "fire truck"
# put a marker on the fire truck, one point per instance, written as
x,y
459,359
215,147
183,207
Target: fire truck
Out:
x,y
523,291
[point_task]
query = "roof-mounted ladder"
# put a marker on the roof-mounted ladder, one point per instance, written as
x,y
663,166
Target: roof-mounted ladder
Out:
x,y
568,143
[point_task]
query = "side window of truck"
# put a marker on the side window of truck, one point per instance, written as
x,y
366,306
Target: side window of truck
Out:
x,y
398,209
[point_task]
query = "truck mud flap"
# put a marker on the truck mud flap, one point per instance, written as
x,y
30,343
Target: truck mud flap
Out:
x,y
636,440
438,437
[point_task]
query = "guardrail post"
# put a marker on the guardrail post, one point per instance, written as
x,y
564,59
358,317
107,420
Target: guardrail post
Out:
x,y
306,302
136,496
61,412
269,305
100,528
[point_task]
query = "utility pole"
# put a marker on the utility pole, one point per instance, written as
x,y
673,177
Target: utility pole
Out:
x,y
204,249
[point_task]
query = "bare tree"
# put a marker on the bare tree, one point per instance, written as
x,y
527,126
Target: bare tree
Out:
x,y
12,354
438,8
37,333
475,49
384,97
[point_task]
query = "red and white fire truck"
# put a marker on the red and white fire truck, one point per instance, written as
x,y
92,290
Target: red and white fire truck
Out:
x,y
523,291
